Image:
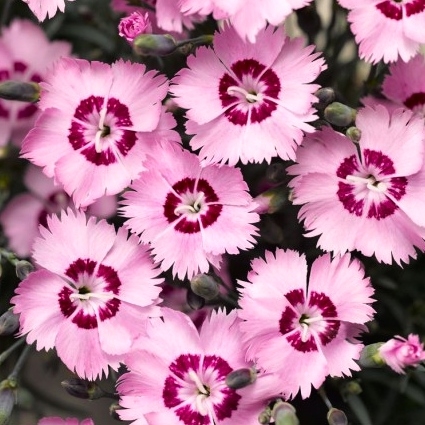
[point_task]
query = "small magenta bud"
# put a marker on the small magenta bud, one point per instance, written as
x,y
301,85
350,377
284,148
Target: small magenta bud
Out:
x,y
339,114
370,356
205,286
272,200
284,414
337,417
154,44
354,134
20,90
81,388
9,323
195,302
241,378
7,399
325,96
23,269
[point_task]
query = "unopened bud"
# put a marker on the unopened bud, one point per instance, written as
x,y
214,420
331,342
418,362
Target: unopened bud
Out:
x,y
154,44
325,96
337,417
354,134
265,416
272,200
195,302
205,286
339,114
20,90
9,323
81,388
351,388
241,378
23,269
370,356
7,399
284,413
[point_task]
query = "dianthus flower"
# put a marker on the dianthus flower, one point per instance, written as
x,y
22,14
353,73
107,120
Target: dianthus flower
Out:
x,y
26,211
95,120
177,375
249,102
189,214
92,293
405,84
248,17
25,54
387,29
133,25
44,8
370,197
304,332
399,353
53,420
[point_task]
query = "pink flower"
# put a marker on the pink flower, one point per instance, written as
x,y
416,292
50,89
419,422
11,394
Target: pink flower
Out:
x,y
177,375
387,29
95,124
44,8
25,53
91,296
369,198
133,25
249,102
179,207
25,212
400,353
405,85
248,17
304,332
53,420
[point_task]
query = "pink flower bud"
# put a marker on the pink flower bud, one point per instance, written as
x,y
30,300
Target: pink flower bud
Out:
x,y
133,25
399,352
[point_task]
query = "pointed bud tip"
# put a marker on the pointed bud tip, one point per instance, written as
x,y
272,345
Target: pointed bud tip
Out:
x,y
154,44
337,417
241,378
339,114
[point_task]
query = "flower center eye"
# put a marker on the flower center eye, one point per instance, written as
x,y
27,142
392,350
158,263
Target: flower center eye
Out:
x,y
250,95
370,181
191,207
105,131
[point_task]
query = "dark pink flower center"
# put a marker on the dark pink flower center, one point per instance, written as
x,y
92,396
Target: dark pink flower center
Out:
x,y
366,188
195,390
306,324
395,10
415,101
19,73
91,296
100,130
192,204
250,94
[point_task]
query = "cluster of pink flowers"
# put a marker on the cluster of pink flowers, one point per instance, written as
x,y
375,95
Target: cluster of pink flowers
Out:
x,y
102,132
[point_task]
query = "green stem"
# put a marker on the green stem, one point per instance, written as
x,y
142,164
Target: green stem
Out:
x,y
324,397
20,363
13,347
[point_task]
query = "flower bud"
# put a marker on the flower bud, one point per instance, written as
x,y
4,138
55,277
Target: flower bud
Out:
x,y
154,44
7,399
272,200
194,301
23,269
265,416
284,413
325,96
339,114
133,25
354,134
399,353
20,90
241,378
337,417
9,323
205,286
370,357
81,388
